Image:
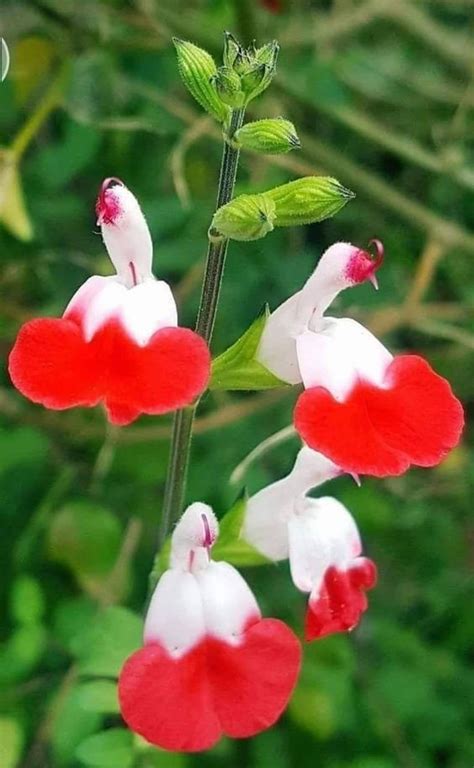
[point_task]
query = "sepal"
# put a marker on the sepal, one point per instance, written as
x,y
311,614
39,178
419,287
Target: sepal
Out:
x,y
228,87
230,546
272,136
198,71
237,368
308,200
247,217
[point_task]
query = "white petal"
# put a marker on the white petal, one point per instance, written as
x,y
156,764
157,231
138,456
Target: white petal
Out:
x,y
324,533
277,348
335,353
266,519
193,537
104,306
228,602
268,511
127,238
175,616
84,296
147,308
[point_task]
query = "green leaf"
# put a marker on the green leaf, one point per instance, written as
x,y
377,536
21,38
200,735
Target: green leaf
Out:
x,y
99,696
11,742
198,70
13,213
109,749
237,368
20,655
246,217
270,136
27,602
308,200
230,546
102,647
73,724
86,538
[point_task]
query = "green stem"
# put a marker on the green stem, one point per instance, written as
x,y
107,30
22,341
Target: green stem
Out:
x,y
183,421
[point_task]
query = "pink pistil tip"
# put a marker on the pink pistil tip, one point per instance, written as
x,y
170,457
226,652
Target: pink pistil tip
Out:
x,y
208,538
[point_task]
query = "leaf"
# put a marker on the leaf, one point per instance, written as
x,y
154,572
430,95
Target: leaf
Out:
x,y
11,742
237,368
230,546
27,602
20,655
33,57
73,724
197,69
13,213
102,647
99,696
109,749
85,538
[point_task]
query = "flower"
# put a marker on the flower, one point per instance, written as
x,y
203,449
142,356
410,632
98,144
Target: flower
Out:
x,y
210,664
118,341
367,411
321,540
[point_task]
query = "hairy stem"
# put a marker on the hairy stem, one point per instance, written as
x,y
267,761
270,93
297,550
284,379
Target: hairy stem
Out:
x,y
175,488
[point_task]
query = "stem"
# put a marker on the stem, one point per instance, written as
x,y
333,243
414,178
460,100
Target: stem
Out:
x,y
183,421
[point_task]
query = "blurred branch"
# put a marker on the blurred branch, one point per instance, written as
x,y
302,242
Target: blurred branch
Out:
x,y
189,137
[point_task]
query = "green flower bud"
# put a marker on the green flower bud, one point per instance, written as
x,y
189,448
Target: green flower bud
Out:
x,y
197,70
247,217
227,84
231,49
268,54
273,136
306,200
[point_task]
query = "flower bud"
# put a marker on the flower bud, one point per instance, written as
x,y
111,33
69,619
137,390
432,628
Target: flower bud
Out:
x,y
307,200
232,49
228,87
198,71
274,136
247,217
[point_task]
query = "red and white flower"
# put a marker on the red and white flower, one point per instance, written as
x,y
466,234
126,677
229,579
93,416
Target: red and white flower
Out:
x,y
363,408
210,664
321,540
118,341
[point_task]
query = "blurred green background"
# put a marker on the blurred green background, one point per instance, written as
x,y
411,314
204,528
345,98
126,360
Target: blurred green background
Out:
x,y
382,94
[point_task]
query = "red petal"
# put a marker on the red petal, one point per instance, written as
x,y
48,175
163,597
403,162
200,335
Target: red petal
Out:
x,y
186,704
166,374
341,600
417,420
52,364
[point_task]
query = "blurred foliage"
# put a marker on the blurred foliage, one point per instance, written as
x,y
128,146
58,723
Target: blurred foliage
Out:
x,y
382,95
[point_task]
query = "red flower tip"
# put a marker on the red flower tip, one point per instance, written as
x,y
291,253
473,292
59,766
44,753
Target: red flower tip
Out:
x,y
186,703
415,419
274,6
340,600
362,265
107,206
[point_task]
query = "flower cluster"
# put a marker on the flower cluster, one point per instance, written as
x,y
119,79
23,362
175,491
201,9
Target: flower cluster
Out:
x,y
210,664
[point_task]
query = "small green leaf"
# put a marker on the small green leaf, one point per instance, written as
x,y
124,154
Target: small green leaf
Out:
x,y
13,213
109,749
106,643
27,602
11,742
247,217
275,136
237,368
308,200
230,546
99,696
73,724
86,538
198,70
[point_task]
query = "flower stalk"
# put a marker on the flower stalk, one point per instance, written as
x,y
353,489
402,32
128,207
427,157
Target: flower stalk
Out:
x,y
175,487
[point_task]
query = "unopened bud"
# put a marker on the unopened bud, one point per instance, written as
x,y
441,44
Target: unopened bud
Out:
x,y
232,49
247,217
198,70
228,86
272,136
307,200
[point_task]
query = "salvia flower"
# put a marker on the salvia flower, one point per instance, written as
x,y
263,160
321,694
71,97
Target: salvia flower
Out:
x,y
210,664
118,341
363,408
321,540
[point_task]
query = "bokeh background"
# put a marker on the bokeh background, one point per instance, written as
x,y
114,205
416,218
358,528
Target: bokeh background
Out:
x,y
382,93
